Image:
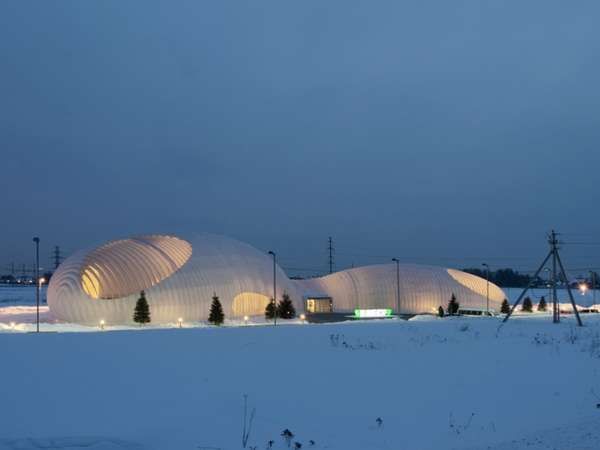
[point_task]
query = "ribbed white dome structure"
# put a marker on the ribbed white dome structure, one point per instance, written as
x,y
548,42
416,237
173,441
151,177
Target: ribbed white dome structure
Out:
x,y
179,277
422,288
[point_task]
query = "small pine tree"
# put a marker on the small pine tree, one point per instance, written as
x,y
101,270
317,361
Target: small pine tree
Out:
x,y
141,313
453,306
216,316
542,304
441,312
505,308
286,308
527,305
270,310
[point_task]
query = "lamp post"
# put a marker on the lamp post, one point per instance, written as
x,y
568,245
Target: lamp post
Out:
x,y
397,285
37,282
593,283
547,269
487,288
274,287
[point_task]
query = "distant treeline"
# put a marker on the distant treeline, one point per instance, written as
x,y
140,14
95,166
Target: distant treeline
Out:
x,y
503,277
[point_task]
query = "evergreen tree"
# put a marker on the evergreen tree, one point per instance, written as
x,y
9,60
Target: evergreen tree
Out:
x,y
216,316
441,312
286,308
527,305
505,308
141,314
270,310
453,306
542,304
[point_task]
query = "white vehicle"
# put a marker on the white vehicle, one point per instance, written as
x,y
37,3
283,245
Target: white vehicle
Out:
x,y
476,312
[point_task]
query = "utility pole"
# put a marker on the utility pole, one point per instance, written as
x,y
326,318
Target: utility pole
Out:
x,y
56,256
556,264
330,248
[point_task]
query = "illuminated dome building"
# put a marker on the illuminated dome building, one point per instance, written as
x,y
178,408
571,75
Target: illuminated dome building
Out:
x,y
180,277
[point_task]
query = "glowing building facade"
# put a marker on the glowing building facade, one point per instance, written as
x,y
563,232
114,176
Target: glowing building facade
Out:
x,y
181,276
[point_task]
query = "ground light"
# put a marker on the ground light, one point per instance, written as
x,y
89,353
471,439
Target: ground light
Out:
x,y
102,323
583,288
302,318
246,320
180,322
12,325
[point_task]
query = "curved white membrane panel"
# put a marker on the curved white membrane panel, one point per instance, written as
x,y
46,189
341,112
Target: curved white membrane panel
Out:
x,y
422,289
477,284
128,266
175,286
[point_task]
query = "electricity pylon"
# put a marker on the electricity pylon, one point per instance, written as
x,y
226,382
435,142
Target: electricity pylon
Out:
x,y
556,263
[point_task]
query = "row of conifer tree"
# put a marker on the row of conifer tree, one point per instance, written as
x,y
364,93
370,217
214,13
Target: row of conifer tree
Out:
x,y
284,310
454,306
527,305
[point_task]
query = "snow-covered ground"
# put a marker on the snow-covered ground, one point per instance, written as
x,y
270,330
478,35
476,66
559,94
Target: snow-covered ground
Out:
x,y
453,383
20,295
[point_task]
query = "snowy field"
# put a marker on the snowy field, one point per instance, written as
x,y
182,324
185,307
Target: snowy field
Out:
x,y
454,383
20,295
458,383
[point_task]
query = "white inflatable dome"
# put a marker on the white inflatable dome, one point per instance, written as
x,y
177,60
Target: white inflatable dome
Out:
x,y
180,276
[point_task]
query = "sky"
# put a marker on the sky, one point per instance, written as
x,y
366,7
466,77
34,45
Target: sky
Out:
x,y
439,132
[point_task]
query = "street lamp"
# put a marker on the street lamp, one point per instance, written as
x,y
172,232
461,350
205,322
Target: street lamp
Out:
x,y
274,287
397,285
37,284
487,288
593,283
547,269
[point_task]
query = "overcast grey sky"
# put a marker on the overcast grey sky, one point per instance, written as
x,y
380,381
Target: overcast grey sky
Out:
x,y
430,130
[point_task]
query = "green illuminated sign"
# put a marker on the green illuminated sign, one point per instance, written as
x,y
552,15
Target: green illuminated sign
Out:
x,y
372,313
